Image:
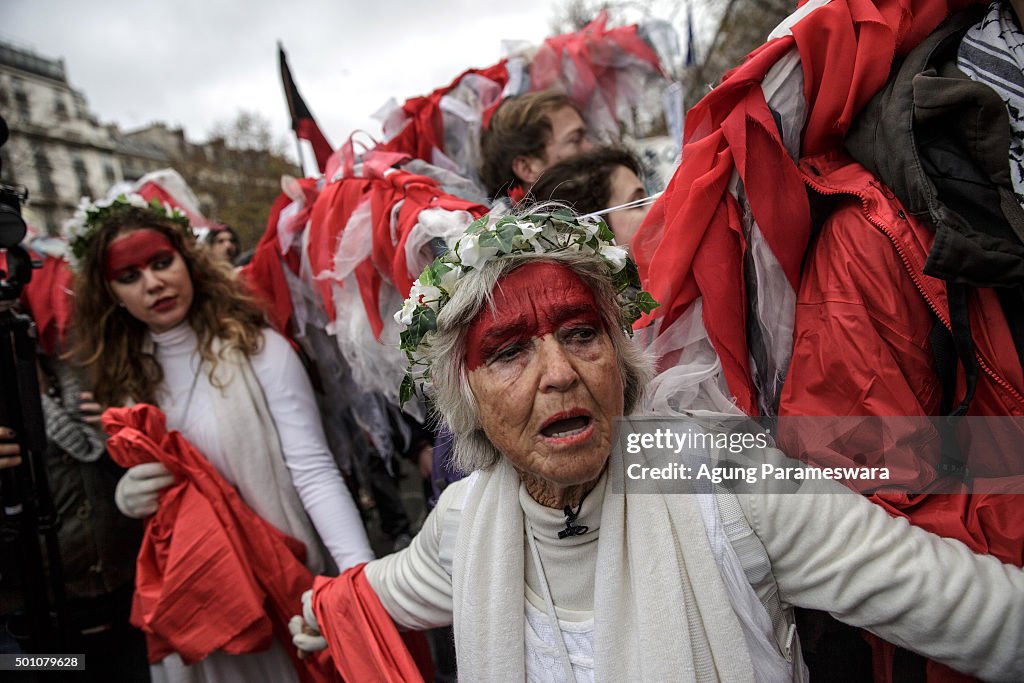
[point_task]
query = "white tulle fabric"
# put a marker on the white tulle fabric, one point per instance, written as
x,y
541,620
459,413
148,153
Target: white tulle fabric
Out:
x,y
378,366
690,380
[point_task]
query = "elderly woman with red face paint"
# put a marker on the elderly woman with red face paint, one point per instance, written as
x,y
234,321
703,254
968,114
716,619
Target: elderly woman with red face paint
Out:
x,y
158,322
521,334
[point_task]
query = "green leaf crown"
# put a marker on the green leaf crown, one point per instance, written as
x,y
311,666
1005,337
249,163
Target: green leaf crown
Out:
x,y
81,227
484,241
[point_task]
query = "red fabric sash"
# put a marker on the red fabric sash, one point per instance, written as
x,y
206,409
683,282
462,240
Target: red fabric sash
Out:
x,y
264,275
211,574
361,636
691,243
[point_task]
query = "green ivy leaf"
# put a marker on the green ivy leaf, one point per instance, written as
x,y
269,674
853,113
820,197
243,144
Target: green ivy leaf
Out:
x,y
478,225
424,320
430,276
645,302
506,235
407,390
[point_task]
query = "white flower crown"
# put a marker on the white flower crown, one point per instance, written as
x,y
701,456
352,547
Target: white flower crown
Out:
x,y
80,228
484,241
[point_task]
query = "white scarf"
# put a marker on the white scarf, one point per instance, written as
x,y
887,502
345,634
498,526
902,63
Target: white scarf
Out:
x,y
261,475
255,458
661,611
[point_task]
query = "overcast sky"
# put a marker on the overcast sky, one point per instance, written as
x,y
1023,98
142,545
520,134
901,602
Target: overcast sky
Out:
x,y
197,62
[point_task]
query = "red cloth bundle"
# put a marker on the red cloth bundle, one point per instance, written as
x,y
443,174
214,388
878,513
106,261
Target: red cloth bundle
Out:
x,y
361,636
211,574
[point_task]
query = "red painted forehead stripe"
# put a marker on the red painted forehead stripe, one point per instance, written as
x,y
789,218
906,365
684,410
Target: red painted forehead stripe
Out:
x,y
135,251
532,301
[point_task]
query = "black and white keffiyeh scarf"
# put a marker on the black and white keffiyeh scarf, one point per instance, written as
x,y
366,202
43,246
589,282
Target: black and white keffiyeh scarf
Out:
x,y
992,52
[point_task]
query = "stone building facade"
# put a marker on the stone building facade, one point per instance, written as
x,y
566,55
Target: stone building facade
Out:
x,y
60,152
57,148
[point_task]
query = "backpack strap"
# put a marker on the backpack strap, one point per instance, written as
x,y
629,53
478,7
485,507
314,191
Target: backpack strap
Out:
x,y
948,354
450,525
758,569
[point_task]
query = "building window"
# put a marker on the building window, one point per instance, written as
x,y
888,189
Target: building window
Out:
x,y
21,101
108,170
43,168
60,109
83,177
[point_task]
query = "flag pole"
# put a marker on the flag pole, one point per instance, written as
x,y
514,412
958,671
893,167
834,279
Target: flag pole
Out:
x,y
302,120
289,104
298,150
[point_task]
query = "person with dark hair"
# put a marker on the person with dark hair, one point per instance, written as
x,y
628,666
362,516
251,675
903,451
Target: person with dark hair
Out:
x,y
157,321
223,242
526,135
597,180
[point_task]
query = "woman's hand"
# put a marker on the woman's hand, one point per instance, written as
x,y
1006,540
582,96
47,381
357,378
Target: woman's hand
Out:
x,y
10,453
305,631
91,411
138,493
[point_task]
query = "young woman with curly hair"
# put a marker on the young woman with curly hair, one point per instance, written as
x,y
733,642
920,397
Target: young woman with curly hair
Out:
x,y
158,321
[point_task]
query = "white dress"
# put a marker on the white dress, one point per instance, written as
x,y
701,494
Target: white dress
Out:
x,y
187,398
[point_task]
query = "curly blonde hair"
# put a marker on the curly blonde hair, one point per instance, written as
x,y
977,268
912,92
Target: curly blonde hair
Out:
x,y
110,342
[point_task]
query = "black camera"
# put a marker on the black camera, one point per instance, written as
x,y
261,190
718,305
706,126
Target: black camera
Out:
x,y
15,264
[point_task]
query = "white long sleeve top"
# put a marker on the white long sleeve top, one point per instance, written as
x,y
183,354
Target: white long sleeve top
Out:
x,y
833,551
186,397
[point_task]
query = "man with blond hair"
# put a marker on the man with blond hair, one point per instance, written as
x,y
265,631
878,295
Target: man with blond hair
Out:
x,y
525,136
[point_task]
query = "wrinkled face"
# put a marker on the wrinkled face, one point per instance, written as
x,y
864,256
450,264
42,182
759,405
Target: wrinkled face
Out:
x,y
149,277
625,187
223,246
545,375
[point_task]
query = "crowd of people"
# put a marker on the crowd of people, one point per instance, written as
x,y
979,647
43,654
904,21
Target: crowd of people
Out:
x,y
213,451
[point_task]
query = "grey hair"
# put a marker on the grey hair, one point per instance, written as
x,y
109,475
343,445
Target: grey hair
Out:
x,y
453,398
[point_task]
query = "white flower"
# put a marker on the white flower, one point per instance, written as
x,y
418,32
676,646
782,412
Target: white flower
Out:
x,y
404,316
590,226
425,295
472,254
528,230
449,279
136,200
615,256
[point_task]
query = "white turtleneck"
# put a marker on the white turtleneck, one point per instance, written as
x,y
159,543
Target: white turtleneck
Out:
x,y
569,562
186,397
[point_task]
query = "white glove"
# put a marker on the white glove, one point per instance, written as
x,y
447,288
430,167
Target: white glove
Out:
x,y
305,631
138,493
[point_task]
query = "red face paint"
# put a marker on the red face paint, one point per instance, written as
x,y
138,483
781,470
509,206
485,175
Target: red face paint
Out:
x,y
135,251
532,301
